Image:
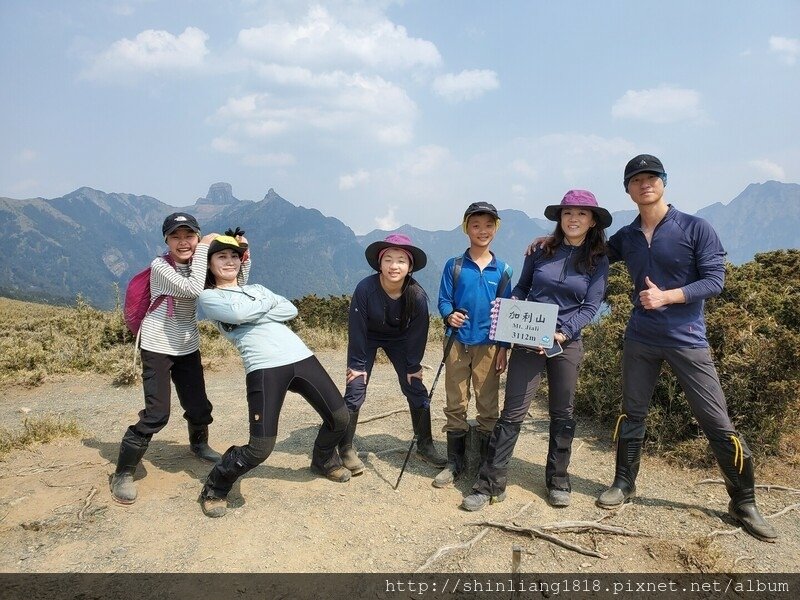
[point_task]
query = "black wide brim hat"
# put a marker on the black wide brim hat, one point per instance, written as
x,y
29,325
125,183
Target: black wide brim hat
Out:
x,y
395,240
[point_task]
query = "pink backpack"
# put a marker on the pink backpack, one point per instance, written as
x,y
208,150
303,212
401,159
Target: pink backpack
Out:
x,y
137,298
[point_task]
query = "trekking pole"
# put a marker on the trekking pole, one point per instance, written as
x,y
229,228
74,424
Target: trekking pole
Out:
x,y
451,338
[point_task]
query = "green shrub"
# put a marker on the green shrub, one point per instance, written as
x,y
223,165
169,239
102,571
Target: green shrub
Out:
x,y
754,334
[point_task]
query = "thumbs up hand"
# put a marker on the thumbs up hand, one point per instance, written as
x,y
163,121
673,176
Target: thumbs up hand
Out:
x,y
653,297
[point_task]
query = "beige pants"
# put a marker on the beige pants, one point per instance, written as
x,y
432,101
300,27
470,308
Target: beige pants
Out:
x,y
470,370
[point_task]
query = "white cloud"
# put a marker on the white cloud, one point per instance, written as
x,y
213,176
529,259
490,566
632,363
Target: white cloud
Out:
x,y
663,104
788,49
519,191
353,180
151,51
321,40
521,167
225,145
769,168
425,160
27,155
277,159
388,222
467,85
354,105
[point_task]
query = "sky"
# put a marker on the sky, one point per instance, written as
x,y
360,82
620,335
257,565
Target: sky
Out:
x,y
397,112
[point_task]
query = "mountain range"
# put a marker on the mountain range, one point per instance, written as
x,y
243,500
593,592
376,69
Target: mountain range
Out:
x,y
88,241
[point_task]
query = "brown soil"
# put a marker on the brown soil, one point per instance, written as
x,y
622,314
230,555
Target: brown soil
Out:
x,y
56,512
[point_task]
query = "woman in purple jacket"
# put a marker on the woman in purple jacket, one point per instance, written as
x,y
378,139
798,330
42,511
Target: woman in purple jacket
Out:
x,y
570,269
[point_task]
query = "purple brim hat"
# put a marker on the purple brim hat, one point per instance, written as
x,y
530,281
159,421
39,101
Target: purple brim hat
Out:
x,y
581,199
395,240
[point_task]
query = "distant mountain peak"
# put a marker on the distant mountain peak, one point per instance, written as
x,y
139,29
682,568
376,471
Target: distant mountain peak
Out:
x,y
272,195
219,194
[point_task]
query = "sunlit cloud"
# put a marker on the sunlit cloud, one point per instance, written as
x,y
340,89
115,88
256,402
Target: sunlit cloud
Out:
x,y
321,40
388,221
353,180
151,51
663,104
769,169
466,85
787,49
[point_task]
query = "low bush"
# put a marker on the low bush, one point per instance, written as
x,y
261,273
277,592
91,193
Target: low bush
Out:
x,y
754,334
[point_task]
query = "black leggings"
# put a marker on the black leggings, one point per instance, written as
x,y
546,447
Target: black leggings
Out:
x,y
266,391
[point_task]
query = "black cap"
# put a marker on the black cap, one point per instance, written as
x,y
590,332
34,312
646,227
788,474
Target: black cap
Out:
x,y
644,163
477,208
175,220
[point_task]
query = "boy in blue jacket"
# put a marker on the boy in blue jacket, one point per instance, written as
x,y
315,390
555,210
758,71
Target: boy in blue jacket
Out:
x,y
470,282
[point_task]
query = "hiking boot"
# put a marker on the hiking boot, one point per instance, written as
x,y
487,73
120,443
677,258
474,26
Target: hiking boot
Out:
x,y
347,451
198,444
739,475
629,456
476,500
456,448
562,432
213,507
131,450
123,489
421,422
337,473
558,498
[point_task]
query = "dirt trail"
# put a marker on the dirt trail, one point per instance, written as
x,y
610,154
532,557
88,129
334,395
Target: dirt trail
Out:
x,y
56,513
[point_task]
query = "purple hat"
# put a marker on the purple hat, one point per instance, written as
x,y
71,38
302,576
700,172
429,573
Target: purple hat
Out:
x,y
395,240
583,199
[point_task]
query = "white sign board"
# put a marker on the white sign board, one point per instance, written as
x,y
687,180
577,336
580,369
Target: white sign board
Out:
x,y
524,323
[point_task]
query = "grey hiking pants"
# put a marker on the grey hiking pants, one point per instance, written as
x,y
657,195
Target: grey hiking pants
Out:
x,y
694,368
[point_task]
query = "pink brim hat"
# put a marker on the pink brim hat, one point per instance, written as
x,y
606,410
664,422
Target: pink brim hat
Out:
x,y
395,240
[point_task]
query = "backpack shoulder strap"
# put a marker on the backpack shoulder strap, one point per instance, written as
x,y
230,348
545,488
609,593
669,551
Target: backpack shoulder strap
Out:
x,y
505,280
457,271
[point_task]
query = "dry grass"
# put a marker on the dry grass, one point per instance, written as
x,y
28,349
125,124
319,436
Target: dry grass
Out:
x,y
39,430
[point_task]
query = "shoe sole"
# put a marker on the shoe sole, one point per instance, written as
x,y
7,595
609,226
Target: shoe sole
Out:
x,y
425,459
491,500
756,535
329,478
121,501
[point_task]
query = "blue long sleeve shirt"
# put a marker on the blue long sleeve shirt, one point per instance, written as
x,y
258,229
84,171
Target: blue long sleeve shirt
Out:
x,y
252,318
374,319
475,291
684,252
555,280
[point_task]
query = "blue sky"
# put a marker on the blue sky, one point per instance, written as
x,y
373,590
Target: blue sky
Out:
x,y
385,113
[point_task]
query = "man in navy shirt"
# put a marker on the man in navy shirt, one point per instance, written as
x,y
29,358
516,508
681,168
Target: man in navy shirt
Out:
x,y
676,261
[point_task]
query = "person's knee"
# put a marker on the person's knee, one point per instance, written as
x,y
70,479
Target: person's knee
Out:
x,y
341,418
258,449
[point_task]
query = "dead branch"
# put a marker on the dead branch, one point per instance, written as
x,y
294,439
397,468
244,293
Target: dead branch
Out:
x,y
539,533
381,416
764,486
445,549
784,511
466,545
86,503
583,526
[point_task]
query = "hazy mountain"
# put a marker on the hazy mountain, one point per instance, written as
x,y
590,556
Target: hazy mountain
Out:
x,y
88,241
